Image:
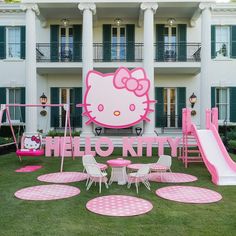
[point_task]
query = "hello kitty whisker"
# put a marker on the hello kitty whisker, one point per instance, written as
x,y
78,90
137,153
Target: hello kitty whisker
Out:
x,y
86,113
145,118
148,110
91,119
149,101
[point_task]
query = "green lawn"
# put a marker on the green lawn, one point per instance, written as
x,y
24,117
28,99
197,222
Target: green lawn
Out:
x,y
70,217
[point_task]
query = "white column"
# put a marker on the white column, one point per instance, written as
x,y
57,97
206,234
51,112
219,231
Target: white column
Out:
x,y
148,58
205,89
88,10
31,74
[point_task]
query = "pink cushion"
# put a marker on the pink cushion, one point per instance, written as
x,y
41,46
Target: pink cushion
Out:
x,y
102,166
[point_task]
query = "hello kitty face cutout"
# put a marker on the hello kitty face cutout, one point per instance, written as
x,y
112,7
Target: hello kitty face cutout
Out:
x,y
117,100
32,142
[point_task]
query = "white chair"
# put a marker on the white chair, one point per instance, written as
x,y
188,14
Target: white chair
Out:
x,y
165,161
89,160
140,176
95,175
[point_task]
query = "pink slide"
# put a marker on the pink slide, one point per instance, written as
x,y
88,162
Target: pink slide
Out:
x,y
216,157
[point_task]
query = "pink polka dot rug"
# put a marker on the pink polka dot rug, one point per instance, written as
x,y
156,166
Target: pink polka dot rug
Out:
x,y
47,192
29,168
63,177
119,205
188,194
171,177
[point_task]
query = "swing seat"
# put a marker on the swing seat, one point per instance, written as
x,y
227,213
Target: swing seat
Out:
x,y
28,152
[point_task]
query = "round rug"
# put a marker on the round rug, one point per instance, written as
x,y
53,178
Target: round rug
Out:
x,y
171,177
188,194
47,192
63,177
119,205
29,168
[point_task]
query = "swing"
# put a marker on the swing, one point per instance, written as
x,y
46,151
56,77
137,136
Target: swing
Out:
x,y
31,143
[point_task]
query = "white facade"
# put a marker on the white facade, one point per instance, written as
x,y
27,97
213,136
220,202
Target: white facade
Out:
x,y
199,77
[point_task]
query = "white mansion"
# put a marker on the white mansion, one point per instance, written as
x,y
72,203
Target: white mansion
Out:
x,y
185,46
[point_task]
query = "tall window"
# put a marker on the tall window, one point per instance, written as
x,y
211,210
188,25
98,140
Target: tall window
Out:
x,y
13,42
66,40
222,41
222,102
14,97
118,40
170,38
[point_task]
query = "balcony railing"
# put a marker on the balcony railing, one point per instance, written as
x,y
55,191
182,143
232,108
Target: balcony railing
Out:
x,y
59,52
177,52
122,52
118,52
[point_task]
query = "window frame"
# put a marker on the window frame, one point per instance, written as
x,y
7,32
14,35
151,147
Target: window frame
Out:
x,y
7,43
228,46
220,103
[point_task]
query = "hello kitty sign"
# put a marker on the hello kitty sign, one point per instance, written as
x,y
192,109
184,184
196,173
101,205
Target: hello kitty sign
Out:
x,y
117,100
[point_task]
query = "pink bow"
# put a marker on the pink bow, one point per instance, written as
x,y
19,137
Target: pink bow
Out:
x,y
134,81
35,139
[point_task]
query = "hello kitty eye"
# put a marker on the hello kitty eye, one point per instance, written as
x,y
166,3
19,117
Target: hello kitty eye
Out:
x,y
100,107
132,107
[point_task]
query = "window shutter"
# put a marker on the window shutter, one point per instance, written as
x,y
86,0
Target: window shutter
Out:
x,y
2,42
54,46
77,99
181,103
213,41
182,42
130,42
22,42
106,42
160,42
233,42
22,101
159,107
3,96
77,45
54,110
232,100
213,97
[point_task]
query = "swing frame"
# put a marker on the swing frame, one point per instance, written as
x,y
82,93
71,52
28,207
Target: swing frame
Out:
x,y
5,108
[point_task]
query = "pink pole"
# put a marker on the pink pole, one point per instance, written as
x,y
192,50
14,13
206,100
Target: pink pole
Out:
x,y
12,130
70,133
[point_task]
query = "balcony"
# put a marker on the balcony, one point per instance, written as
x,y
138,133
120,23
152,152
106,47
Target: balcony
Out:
x,y
169,58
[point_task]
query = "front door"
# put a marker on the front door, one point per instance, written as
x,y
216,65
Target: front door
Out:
x,y
118,40
65,98
170,107
66,42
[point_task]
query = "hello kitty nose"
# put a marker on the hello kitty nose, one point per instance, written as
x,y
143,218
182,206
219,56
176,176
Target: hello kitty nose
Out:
x,y
116,113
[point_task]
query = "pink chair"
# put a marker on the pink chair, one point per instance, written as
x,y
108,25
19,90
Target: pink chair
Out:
x,y
95,175
141,176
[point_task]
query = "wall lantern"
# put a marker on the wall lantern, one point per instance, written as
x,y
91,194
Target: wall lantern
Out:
x,y
43,99
193,100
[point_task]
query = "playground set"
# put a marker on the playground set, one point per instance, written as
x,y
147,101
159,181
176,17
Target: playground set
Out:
x,y
132,86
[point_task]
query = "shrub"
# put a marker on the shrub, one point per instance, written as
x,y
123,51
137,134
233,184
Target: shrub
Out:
x,y
5,140
232,144
55,133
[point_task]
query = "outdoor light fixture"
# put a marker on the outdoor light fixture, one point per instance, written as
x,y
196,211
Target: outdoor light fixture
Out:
x,y
43,99
118,21
193,100
171,21
65,22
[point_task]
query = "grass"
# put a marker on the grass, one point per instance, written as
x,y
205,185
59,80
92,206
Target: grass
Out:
x,y
70,217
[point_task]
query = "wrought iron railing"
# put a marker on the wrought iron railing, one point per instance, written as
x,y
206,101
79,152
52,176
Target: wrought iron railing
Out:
x,y
59,52
122,52
116,52
177,52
